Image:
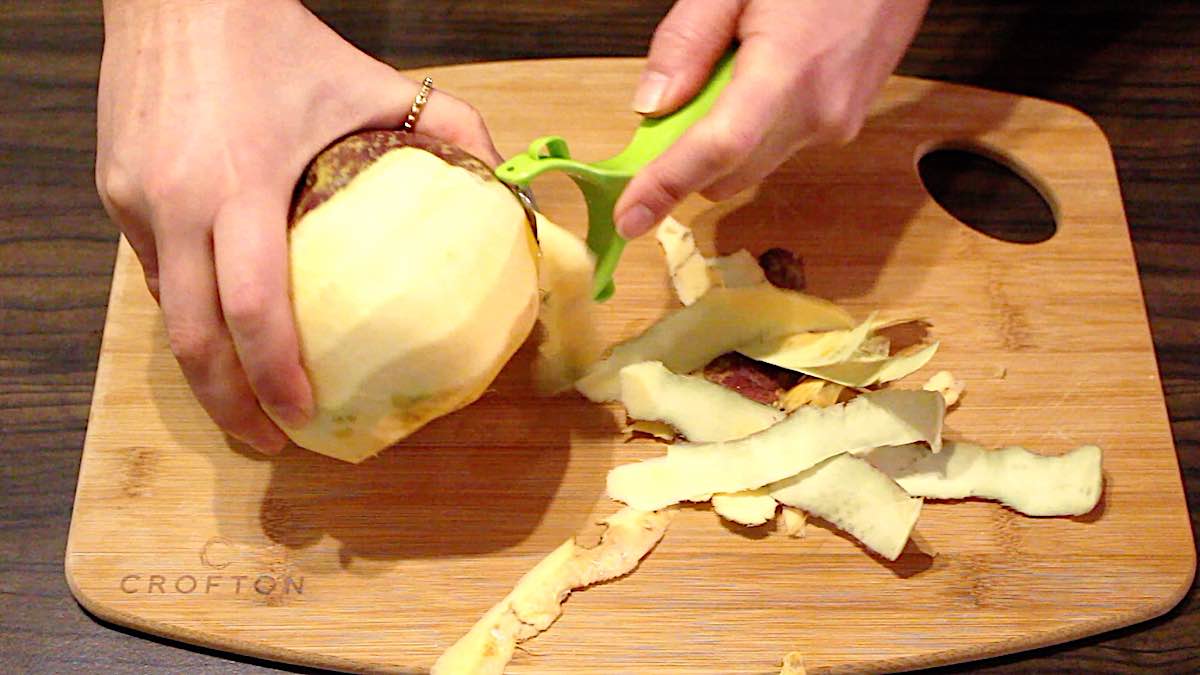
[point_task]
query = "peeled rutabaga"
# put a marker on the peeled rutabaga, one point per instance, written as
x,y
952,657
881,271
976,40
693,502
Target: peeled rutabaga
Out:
x,y
808,436
413,279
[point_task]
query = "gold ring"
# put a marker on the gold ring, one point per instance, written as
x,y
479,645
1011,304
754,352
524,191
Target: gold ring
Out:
x,y
410,122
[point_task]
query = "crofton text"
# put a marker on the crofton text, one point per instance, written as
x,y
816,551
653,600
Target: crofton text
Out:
x,y
206,584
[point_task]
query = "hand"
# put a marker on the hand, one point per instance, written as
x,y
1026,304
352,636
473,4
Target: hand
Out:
x,y
805,74
209,110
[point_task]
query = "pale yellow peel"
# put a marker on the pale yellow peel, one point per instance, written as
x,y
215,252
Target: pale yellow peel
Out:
x,y
812,391
804,439
690,275
804,393
950,387
874,347
791,521
536,601
1037,485
866,373
718,322
793,664
702,411
570,342
748,507
658,430
808,350
828,395
737,269
857,498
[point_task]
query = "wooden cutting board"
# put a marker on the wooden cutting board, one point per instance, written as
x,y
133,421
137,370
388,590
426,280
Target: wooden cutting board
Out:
x,y
383,565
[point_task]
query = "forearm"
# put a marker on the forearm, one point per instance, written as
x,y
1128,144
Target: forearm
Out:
x,y
119,14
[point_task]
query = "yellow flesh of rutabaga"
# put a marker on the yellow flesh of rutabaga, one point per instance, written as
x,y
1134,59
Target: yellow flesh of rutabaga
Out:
x,y
406,314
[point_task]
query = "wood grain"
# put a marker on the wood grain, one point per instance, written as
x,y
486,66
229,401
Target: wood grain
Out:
x,y
380,566
1131,66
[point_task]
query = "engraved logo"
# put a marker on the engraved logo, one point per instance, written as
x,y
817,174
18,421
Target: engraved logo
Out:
x,y
217,554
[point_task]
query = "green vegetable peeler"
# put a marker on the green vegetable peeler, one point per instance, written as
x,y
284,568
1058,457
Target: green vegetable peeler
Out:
x,y
602,182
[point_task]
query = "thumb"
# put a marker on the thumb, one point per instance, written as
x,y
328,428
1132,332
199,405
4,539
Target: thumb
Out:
x,y
685,47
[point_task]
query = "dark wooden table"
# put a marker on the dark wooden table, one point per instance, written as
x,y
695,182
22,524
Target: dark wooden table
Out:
x,y
1134,66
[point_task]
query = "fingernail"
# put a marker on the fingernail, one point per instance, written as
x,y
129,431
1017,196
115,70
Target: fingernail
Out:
x,y
650,92
293,416
635,221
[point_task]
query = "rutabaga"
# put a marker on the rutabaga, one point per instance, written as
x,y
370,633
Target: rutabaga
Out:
x,y
404,313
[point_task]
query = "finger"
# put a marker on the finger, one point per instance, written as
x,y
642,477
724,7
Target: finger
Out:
x,y
142,242
201,343
250,250
716,146
772,154
121,200
686,45
390,97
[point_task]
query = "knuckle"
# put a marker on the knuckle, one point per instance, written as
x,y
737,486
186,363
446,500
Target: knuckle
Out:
x,y
666,189
730,141
245,306
237,415
838,121
723,190
172,183
116,187
680,34
193,346
471,115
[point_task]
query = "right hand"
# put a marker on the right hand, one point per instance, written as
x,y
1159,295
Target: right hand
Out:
x,y
208,113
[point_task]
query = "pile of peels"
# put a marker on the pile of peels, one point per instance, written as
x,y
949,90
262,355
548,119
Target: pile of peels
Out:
x,y
773,401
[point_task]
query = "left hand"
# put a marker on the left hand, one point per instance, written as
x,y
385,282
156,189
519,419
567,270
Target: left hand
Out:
x,y
805,75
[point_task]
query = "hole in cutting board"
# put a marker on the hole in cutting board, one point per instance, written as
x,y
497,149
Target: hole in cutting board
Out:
x,y
985,193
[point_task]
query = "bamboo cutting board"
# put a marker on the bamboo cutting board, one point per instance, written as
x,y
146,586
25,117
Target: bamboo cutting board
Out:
x,y
381,566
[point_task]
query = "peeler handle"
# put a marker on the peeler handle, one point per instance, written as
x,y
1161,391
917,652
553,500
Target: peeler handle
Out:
x,y
603,182
655,134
